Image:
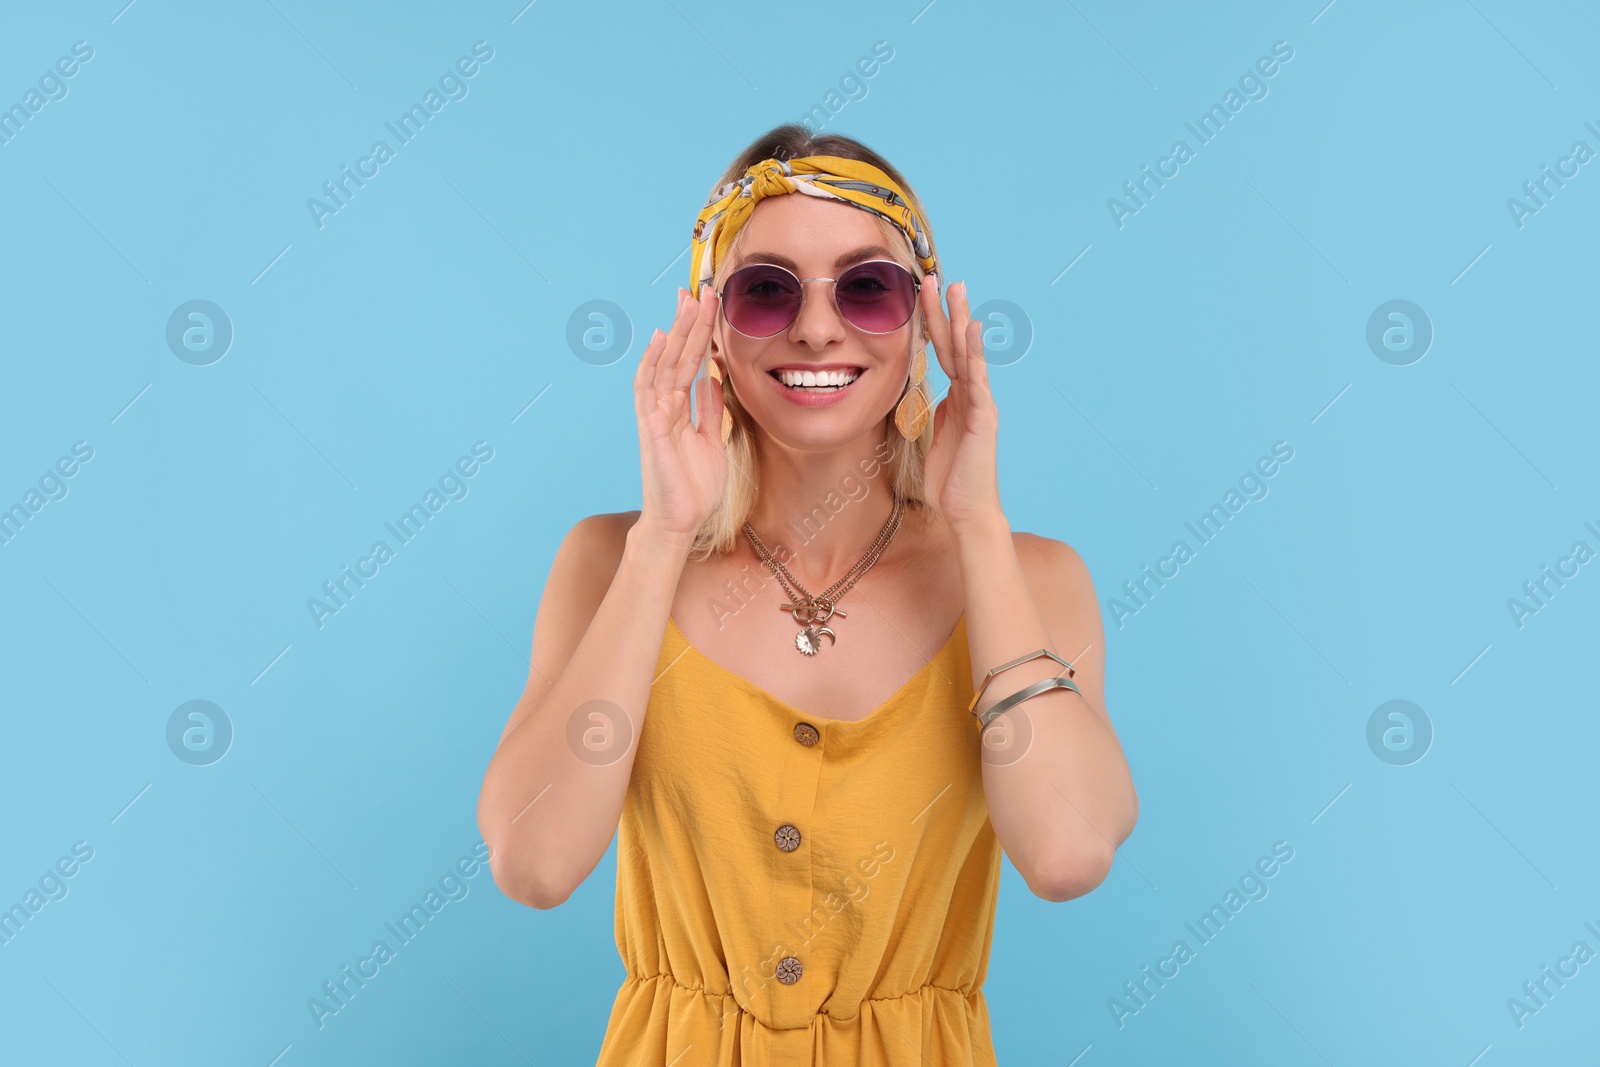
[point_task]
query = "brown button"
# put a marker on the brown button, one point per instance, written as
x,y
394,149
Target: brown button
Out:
x,y
787,837
789,970
805,733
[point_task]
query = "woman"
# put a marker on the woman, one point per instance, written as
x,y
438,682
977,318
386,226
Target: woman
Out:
x,y
810,807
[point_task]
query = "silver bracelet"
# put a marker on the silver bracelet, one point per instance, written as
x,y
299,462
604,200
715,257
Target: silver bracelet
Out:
x,y
1006,704
1016,662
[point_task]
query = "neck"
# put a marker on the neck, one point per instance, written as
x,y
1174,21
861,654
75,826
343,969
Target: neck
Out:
x,y
819,512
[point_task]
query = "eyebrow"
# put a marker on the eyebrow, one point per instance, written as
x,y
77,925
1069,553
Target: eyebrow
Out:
x,y
859,255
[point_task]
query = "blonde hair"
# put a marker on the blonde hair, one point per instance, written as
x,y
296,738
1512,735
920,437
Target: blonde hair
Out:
x,y
904,465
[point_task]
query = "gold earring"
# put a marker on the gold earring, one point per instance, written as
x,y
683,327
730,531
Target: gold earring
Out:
x,y
911,414
715,373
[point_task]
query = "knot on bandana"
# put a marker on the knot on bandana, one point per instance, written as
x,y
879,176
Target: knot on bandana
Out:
x,y
851,181
767,178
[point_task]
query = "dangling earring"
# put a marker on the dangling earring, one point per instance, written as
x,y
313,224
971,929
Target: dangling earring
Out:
x,y
715,373
911,414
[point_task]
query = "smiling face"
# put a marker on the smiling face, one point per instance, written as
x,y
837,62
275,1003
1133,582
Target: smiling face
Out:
x,y
815,239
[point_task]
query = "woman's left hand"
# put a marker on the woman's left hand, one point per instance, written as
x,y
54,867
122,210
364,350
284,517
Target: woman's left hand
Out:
x,y
960,475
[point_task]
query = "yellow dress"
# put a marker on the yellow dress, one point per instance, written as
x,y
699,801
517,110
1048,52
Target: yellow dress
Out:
x,y
804,892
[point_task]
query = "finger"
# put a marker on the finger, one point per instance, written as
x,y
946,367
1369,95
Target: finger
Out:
x,y
682,362
646,371
644,378
660,394
960,319
701,391
676,337
698,343
674,331
977,369
941,415
710,411
938,323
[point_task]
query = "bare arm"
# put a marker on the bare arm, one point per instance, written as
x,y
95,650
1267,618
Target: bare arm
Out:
x,y
1060,794
553,792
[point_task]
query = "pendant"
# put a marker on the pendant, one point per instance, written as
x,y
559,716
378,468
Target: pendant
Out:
x,y
809,640
813,609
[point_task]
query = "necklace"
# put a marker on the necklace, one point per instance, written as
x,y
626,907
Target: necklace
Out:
x,y
809,611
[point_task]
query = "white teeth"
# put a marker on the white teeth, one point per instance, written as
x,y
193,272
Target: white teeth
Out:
x,y
833,379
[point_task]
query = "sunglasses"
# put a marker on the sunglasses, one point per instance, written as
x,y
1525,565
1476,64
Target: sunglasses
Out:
x,y
764,299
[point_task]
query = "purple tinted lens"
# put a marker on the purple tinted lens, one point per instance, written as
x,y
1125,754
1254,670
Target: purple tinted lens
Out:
x,y
878,296
761,300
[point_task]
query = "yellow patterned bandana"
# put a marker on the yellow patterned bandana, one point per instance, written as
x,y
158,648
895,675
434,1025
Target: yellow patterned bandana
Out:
x,y
830,177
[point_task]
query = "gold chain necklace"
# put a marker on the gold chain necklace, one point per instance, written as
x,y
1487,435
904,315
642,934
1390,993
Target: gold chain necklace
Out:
x,y
808,610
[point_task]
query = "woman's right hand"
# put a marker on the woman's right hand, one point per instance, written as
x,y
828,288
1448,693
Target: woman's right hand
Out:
x,y
684,467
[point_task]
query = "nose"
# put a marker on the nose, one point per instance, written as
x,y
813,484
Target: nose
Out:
x,y
819,323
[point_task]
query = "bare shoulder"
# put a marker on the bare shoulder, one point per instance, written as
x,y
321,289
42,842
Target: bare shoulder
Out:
x,y
588,557
603,534
584,566
606,523
1059,580
581,573
1063,589
1048,560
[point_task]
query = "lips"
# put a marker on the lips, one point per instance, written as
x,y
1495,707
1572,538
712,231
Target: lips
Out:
x,y
816,395
820,379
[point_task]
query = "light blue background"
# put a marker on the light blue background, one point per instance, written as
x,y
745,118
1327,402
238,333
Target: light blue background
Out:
x,y
1228,314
